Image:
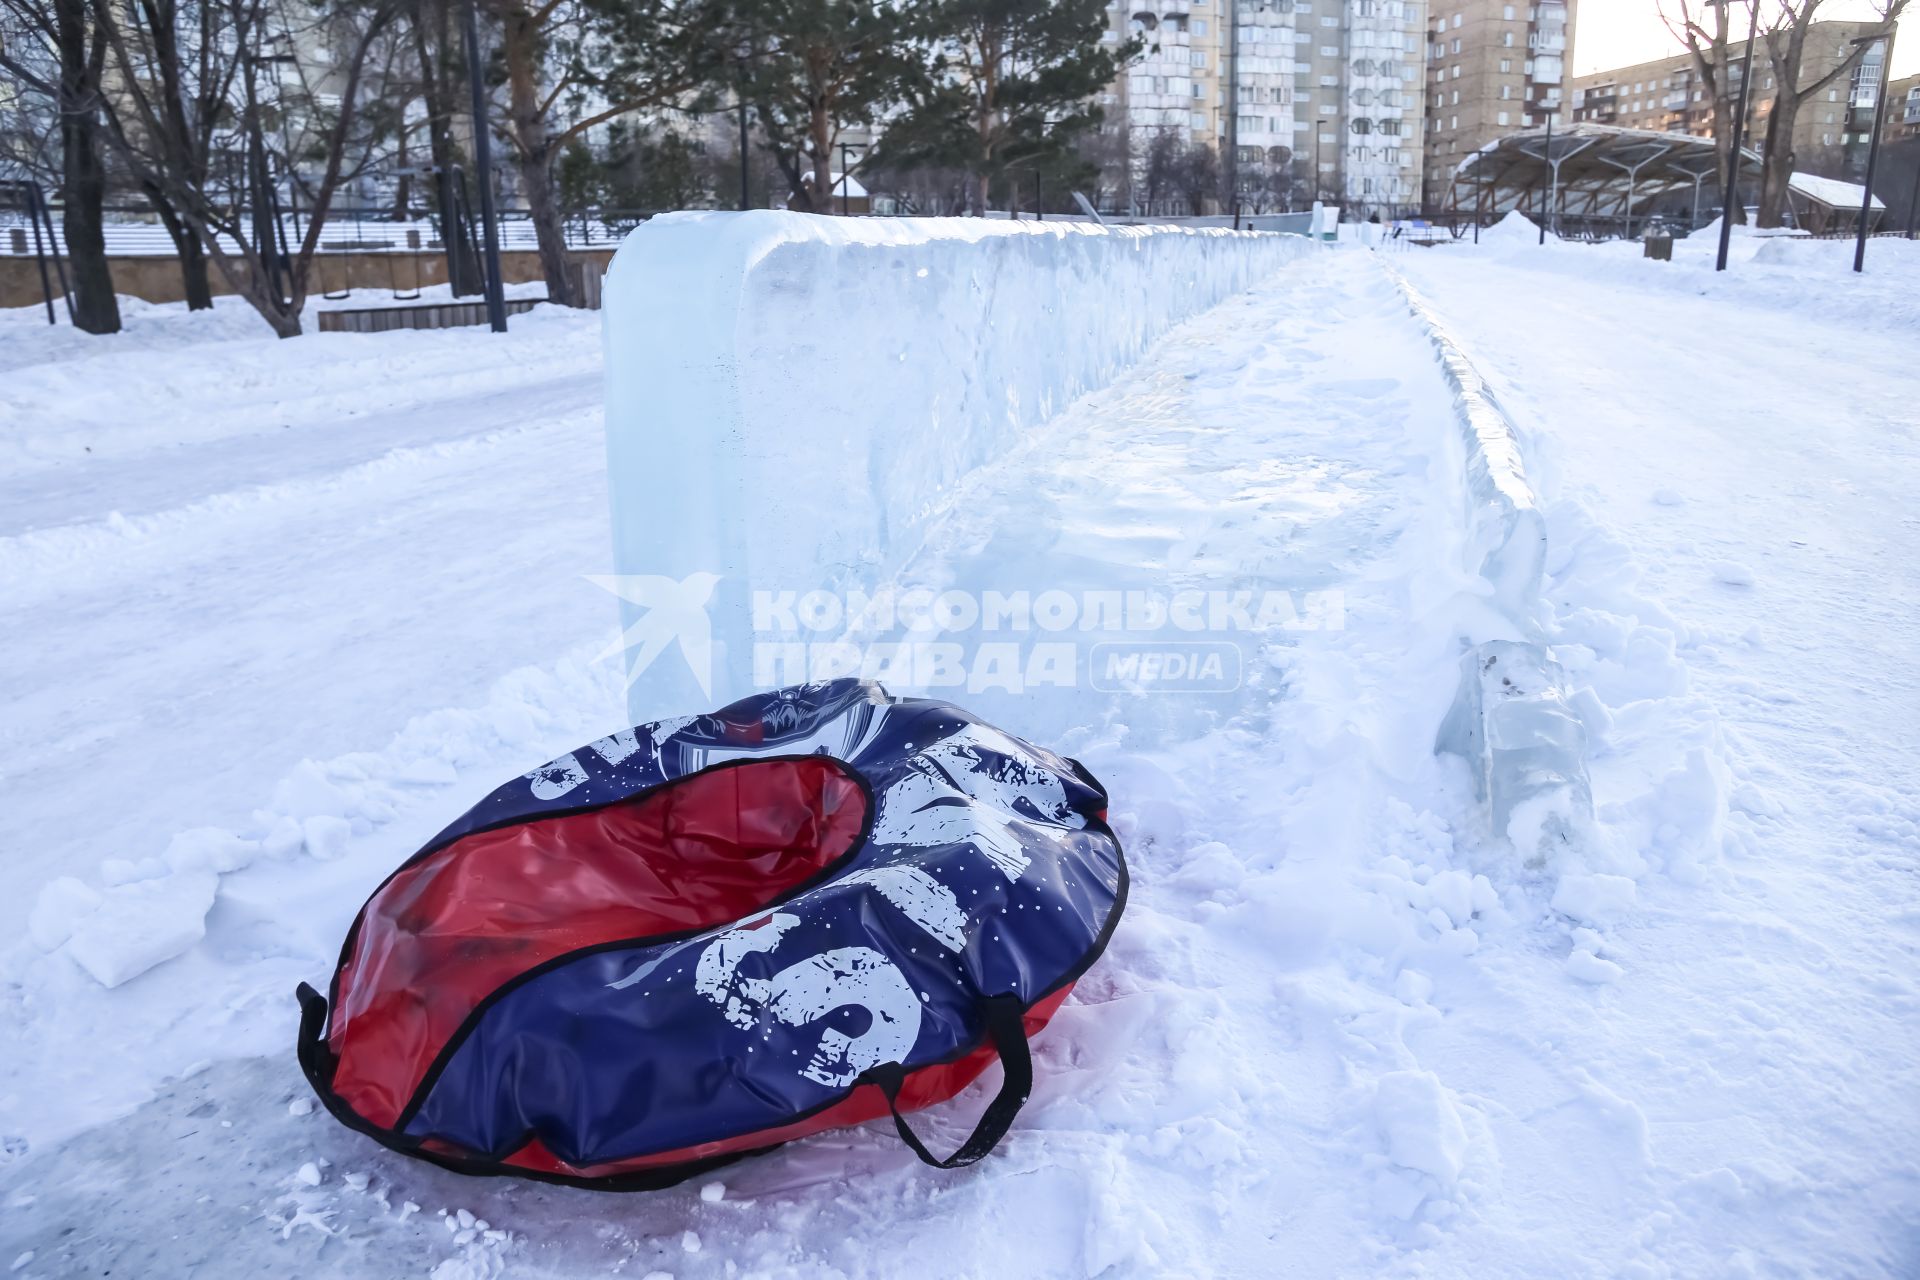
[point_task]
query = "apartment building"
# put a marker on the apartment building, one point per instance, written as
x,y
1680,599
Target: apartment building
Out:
x,y
1310,98
1667,95
1903,109
1493,67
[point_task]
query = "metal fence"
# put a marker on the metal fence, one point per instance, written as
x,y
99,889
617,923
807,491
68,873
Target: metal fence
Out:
x,y
135,231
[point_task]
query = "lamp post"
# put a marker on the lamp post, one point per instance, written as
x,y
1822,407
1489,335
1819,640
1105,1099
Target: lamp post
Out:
x,y
483,161
1873,146
743,154
744,52
1739,128
1552,182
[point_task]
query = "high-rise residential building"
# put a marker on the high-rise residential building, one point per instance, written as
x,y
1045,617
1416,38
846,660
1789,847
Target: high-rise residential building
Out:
x,y
1668,95
1301,99
1494,67
1903,109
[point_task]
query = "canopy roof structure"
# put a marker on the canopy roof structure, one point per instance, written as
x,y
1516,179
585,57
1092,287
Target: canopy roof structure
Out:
x,y
1594,172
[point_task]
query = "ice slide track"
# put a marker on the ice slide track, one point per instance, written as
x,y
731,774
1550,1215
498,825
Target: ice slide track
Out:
x,y
1297,435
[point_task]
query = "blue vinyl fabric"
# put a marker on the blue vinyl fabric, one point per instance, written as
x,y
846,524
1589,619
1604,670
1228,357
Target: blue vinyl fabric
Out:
x,y
988,869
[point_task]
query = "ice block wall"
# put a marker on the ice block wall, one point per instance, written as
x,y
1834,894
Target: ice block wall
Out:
x,y
790,398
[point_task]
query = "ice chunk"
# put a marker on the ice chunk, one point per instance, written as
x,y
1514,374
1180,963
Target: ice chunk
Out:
x,y
141,924
1526,747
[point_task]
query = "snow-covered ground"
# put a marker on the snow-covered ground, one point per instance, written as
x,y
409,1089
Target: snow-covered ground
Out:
x,y
277,611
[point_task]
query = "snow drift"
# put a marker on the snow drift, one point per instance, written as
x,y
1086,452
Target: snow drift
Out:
x,y
834,379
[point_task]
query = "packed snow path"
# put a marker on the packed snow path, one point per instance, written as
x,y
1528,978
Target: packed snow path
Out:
x,y
1335,1035
1764,463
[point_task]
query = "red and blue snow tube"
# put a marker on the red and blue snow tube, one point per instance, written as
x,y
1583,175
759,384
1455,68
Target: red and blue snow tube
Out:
x,y
704,937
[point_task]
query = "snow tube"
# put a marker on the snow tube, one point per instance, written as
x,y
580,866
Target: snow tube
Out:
x,y
703,937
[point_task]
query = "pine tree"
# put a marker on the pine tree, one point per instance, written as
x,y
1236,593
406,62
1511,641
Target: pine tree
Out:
x,y
814,68
1013,86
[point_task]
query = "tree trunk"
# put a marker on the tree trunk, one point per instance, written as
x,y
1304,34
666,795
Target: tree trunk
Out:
x,y
1776,161
186,244
463,271
83,180
549,229
820,141
520,47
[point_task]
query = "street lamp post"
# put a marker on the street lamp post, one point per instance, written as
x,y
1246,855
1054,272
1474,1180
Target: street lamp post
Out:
x,y
1873,146
1552,182
743,153
483,161
1739,128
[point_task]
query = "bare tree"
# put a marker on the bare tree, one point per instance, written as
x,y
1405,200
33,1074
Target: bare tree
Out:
x,y
1712,59
310,113
71,84
572,65
1786,44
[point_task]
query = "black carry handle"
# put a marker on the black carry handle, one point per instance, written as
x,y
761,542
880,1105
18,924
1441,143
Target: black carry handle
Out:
x,y
1009,1034
311,1047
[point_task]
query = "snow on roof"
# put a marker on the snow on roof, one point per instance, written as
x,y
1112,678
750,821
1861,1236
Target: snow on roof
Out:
x,y
850,187
1830,191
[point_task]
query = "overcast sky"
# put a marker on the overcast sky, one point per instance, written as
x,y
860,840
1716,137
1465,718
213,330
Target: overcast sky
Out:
x,y
1618,33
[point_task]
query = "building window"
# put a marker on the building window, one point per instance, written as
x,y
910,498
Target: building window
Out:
x,y
1363,126
1456,44
1506,66
1502,118
1456,22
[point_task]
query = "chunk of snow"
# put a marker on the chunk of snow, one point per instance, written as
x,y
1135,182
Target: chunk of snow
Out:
x,y
309,1174
1595,899
209,849
1669,498
142,924
1588,967
62,904
1416,1116
1730,574
690,1241
300,1107
714,1192
326,836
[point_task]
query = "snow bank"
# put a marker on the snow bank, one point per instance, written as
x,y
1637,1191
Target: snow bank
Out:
x,y
1515,228
1512,719
791,398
